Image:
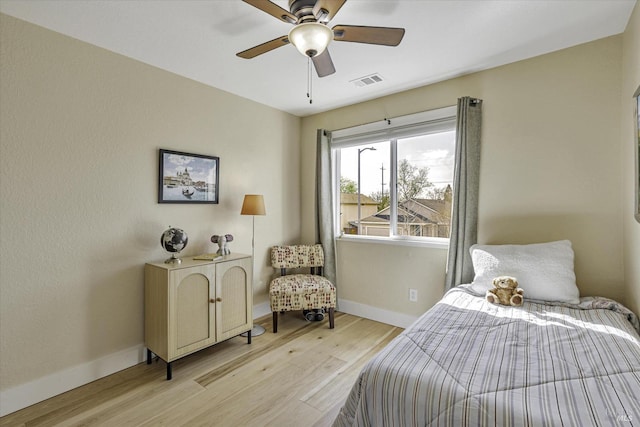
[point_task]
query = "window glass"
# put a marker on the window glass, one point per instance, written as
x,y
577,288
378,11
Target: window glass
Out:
x,y
398,187
425,178
374,188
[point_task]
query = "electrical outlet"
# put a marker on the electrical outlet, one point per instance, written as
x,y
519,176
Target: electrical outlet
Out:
x,y
413,295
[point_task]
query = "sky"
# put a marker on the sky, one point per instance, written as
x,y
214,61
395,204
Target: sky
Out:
x,y
434,151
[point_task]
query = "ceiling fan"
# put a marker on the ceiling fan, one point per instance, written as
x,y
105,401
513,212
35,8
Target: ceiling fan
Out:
x,y
310,34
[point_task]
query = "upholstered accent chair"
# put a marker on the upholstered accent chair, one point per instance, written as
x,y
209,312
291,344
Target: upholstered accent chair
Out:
x,y
299,291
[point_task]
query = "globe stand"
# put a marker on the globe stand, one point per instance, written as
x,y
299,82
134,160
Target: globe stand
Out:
x,y
174,259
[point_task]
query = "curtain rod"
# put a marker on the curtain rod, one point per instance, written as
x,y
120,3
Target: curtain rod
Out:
x,y
387,120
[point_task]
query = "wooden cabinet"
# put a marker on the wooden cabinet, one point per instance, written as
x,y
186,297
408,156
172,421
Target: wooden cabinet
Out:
x,y
195,304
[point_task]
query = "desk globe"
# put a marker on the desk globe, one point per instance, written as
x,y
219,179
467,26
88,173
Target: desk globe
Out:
x,y
174,240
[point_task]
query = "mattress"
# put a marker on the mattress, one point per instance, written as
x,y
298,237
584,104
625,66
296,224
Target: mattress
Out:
x,y
467,362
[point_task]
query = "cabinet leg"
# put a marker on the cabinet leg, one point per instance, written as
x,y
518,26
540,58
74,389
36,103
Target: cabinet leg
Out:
x,y
168,371
149,357
249,337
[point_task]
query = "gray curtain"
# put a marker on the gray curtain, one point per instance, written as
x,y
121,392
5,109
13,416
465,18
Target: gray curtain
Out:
x,y
325,233
466,184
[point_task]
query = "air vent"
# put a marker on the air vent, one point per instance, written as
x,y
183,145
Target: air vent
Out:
x,y
367,80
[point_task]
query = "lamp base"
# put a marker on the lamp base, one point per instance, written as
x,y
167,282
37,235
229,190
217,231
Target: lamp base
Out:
x,y
256,331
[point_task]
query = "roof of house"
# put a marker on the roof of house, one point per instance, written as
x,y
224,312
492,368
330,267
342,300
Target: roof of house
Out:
x,y
426,209
414,211
352,199
434,205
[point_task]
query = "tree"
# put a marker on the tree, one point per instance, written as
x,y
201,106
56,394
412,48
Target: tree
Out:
x,y
348,185
412,181
382,199
436,193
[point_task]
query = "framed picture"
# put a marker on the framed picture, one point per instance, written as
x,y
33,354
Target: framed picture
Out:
x,y
187,178
636,144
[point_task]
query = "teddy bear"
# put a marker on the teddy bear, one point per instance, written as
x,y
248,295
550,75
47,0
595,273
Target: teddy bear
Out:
x,y
222,241
505,291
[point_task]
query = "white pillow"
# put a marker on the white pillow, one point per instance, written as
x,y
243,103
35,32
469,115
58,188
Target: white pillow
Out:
x,y
543,270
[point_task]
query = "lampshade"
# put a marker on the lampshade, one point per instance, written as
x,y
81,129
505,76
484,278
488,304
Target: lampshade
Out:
x,y
310,38
253,205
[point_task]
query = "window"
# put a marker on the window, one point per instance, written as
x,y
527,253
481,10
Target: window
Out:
x,y
394,179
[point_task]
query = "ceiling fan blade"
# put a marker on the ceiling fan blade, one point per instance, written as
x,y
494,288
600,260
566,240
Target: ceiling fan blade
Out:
x,y
330,8
273,10
373,35
323,64
263,48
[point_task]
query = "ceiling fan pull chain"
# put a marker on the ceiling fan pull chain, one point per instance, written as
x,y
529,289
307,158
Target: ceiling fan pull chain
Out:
x,y
309,82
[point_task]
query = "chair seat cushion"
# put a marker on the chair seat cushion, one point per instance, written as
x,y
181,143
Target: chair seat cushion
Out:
x,y
301,292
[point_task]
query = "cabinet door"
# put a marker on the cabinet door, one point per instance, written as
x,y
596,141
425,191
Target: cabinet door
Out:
x,y
192,309
235,292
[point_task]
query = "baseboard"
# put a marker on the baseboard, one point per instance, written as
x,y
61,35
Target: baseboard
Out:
x,y
16,398
261,310
27,394
374,313
350,307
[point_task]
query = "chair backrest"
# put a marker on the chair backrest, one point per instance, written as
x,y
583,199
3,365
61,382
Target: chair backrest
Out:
x,y
297,256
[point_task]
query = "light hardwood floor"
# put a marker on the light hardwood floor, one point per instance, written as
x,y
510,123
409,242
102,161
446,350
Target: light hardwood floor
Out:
x,y
300,376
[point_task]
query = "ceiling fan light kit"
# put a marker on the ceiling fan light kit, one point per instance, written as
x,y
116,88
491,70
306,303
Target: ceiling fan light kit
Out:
x,y
310,38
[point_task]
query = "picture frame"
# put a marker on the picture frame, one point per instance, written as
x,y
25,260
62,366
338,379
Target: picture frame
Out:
x,y
636,144
187,177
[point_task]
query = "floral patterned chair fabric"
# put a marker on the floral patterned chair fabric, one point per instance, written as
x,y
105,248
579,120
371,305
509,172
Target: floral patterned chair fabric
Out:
x,y
300,291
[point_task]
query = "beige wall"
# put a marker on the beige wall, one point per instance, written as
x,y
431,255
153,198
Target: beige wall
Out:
x,y
630,83
550,170
380,275
80,133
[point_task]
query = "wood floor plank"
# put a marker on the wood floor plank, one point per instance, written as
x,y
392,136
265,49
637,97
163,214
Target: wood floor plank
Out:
x,y
133,408
336,387
76,401
272,396
327,418
299,376
248,391
294,414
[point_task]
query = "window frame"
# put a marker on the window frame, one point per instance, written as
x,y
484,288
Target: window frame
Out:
x,y
432,121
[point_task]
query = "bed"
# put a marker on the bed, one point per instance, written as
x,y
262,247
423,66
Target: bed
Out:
x,y
469,362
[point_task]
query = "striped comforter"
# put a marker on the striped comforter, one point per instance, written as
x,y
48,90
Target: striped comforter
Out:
x,y
466,362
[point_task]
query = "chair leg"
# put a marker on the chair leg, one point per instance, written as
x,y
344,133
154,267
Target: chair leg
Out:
x,y
275,322
331,324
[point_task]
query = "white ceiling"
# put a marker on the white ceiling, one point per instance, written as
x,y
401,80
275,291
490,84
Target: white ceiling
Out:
x,y
198,39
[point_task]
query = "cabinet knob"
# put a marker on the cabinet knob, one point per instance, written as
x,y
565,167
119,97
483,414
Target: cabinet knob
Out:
x,y
212,300
219,299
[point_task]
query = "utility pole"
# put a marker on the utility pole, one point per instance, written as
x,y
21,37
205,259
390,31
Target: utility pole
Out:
x,y
382,182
